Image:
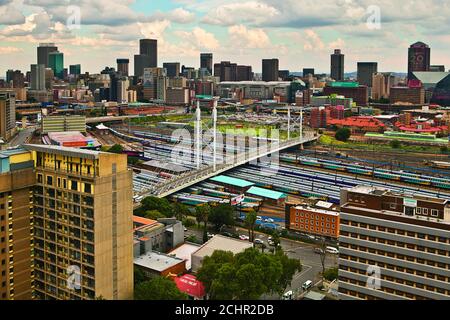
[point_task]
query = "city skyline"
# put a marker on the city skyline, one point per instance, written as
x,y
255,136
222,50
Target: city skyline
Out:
x,y
300,34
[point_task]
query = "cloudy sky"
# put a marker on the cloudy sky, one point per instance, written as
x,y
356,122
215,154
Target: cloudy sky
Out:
x,y
301,33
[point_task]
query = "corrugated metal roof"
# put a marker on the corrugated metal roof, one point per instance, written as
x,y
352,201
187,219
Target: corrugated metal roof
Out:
x,y
265,193
233,181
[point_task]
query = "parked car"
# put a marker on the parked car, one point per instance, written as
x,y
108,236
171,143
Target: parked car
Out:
x,y
244,237
307,285
271,242
259,218
210,235
332,250
259,241
270,220
288,295
318,250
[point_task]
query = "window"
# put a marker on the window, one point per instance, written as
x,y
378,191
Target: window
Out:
x,y
425,211
434,212
49,180
419,210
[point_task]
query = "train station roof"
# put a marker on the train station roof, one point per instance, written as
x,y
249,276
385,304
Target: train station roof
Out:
x,y
265,193
233,181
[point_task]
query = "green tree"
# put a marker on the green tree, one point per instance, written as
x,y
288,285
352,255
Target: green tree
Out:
x,y
117,148
139,276
163,206
158,288
202,214
247,275
444,149
221,215
331,274
250,223
343,134
153,214
180,210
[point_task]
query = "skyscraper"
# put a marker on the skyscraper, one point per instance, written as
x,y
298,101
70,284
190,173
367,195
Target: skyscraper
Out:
x,y
366,71
308,71
270,68
244,73
419,56
7,113
16,232
206,62
172,69
147,57
82,224
43,52
123,66
149,47
337,65
75,69
56,63
38,77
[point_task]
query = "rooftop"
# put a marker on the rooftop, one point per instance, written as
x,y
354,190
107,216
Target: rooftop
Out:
x,y
156,261
223,243
185,252
317,210
65,151
344,84
232,181
266,193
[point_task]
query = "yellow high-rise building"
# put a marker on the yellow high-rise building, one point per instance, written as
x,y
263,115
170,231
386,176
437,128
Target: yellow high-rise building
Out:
x,y
77,205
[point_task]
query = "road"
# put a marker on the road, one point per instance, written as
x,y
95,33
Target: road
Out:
x,y
22,137
311,264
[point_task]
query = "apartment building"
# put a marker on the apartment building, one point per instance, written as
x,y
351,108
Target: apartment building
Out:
x,y
16,225
393,246
83,246
321,219
63,123
7,114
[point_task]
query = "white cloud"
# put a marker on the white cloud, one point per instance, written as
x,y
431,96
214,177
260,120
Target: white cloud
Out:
x,y
9,50
241,36
252,12
200,38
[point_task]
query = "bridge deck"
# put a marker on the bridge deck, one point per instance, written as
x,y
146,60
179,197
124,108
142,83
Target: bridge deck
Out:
x,y
193,177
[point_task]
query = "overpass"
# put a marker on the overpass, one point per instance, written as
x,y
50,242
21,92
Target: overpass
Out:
x,y
191,178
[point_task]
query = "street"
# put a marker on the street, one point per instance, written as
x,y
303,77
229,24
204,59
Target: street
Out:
x,y
311,264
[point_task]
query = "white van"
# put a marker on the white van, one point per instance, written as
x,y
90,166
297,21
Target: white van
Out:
x,y
307,285
288,295
332,250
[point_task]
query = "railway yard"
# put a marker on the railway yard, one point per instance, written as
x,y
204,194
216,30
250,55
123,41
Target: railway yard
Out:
x,y
300,175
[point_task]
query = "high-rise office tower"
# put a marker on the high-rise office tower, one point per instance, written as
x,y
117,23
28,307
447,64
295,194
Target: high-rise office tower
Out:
x,y
16,229
226,71
38,77
308,71
83,232
122,90
172,69
419,56
16,77
75,69
43,52
49,76
244,73
7,113
381,85
149,47
365,72
393,246
270,68
337,65
56,63
206,62
123,67
284,75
